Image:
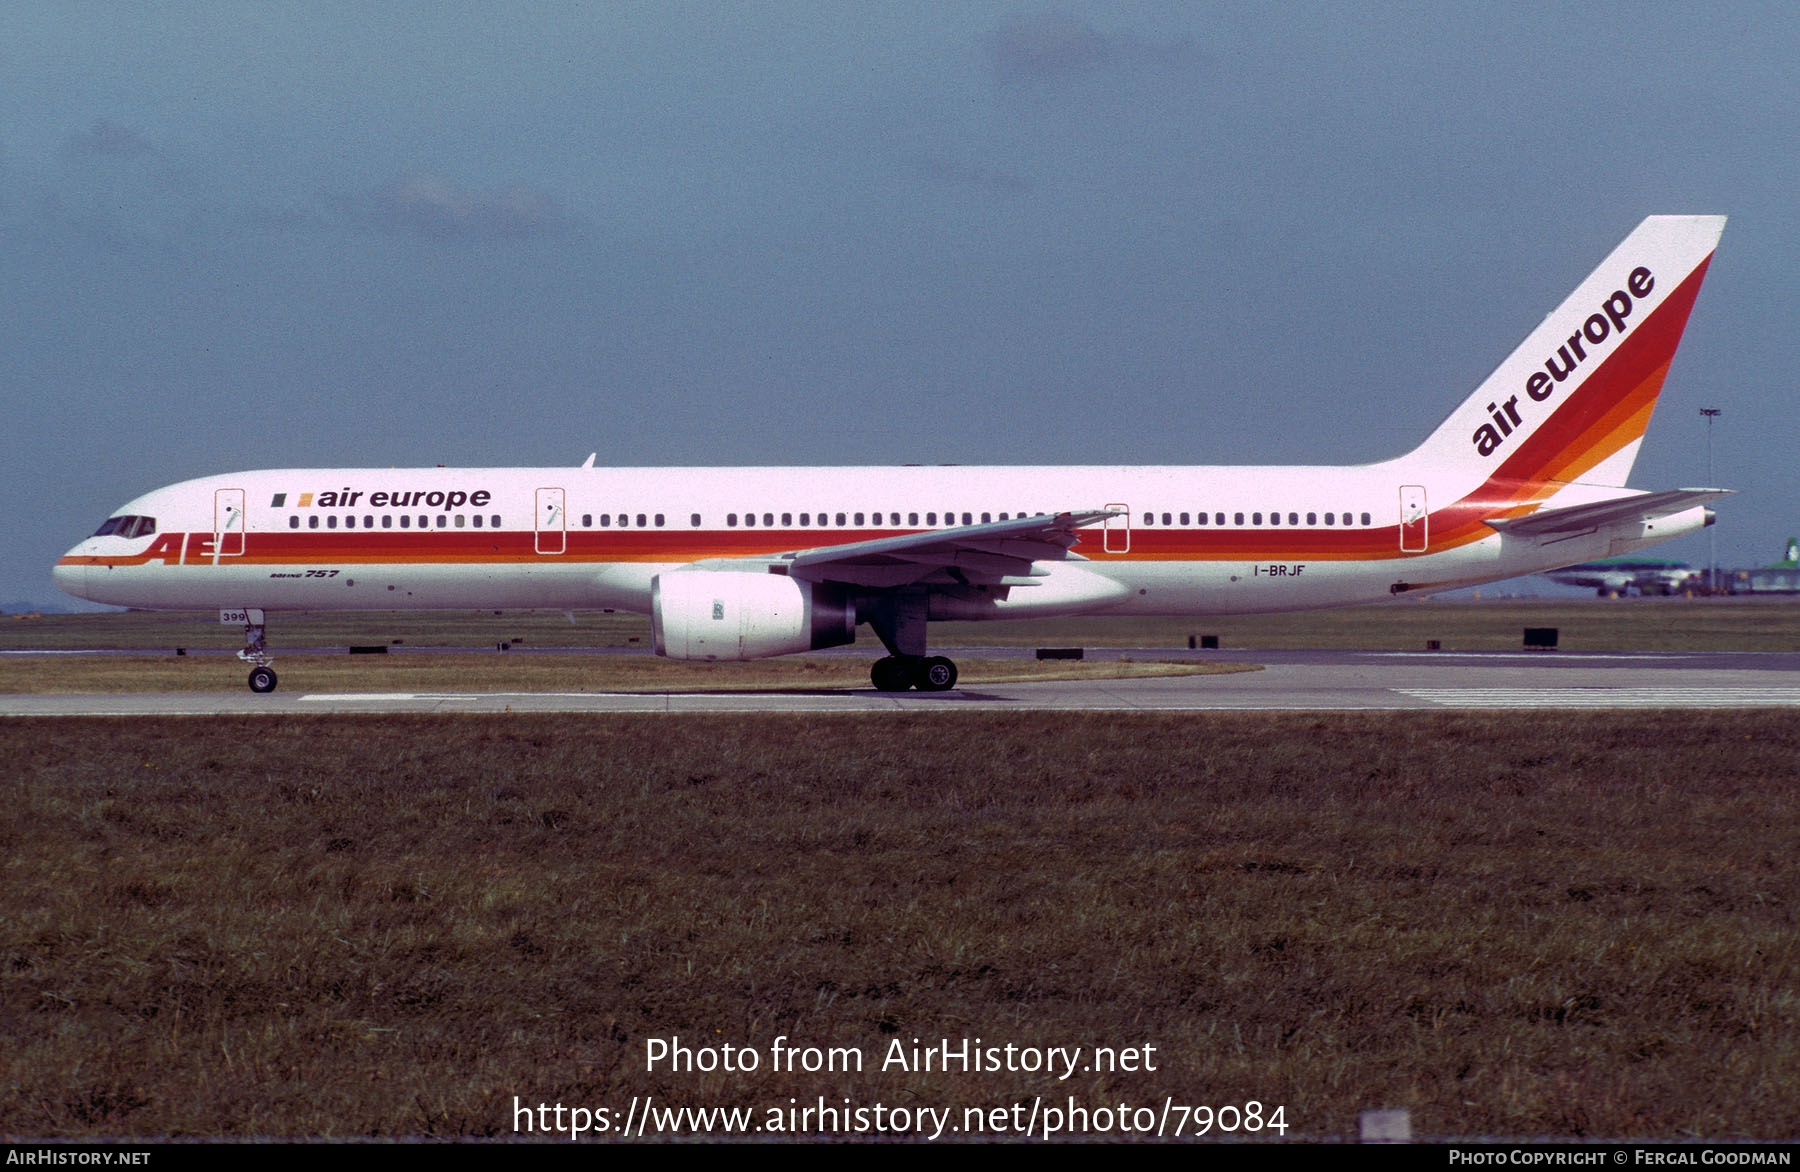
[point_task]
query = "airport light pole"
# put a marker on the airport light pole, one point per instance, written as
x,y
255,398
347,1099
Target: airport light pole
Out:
x,y
1712,537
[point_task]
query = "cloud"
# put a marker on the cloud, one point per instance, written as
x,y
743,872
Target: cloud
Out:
x,y
427,206
106,138
1044,46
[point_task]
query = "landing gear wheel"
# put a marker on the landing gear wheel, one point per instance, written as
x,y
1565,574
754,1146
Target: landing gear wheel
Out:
x,y
936,674
262,679
891,674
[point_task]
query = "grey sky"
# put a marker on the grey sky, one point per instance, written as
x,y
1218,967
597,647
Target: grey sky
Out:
x,y
237,236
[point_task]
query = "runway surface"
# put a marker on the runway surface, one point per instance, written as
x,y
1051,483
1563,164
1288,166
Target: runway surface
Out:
x,y
1291,681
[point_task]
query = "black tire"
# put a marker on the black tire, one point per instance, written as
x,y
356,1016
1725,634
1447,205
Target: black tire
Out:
x,y
262,679
890,674
936,674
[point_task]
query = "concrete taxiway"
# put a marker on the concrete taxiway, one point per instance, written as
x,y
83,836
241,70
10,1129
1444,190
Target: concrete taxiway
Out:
x,y
1291,681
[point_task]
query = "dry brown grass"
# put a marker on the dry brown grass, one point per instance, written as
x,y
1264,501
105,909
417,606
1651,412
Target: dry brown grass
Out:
x,y
1561,924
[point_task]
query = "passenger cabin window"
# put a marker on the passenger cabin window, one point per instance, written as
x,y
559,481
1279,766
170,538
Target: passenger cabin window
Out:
x,y
1365,518
694,520
293,522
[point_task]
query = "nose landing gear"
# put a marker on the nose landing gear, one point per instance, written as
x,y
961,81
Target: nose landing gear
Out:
x,y
256,651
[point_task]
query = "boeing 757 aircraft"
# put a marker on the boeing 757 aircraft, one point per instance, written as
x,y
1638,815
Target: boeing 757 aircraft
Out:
x,y
1526,475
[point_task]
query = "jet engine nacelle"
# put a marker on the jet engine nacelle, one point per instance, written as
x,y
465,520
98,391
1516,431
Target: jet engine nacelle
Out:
x,y
737,614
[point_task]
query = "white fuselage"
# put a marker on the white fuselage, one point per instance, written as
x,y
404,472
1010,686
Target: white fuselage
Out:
x,y
1185,540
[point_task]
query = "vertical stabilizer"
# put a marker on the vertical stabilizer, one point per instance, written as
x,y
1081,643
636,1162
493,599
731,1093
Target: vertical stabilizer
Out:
x,y
1572,402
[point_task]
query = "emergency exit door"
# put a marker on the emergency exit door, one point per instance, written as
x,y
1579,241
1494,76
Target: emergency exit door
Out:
x,y
552,526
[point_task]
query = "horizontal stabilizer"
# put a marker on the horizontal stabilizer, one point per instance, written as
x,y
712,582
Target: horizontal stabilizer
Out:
x,y
1645,506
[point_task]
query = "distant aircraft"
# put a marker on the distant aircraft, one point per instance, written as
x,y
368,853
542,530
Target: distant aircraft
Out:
x,y
1782,577
1526,475
1617,577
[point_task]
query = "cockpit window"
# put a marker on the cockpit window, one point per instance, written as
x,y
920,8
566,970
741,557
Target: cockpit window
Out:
x,y
126,526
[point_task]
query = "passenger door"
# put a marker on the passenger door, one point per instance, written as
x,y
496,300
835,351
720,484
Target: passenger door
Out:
x,y
228,523
1414,519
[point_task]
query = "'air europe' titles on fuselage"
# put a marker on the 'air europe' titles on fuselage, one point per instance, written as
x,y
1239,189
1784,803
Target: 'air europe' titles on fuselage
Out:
x,y
346,498
1601,325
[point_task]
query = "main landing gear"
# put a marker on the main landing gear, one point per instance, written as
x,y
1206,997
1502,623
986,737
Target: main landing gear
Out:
x,y
256,651
899,621
900,673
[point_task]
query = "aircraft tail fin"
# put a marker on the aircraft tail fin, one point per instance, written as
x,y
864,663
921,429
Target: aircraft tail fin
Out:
x,y
1571,404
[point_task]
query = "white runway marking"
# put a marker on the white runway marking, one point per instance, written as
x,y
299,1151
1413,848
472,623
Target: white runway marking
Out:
x,y
435,697
1607,697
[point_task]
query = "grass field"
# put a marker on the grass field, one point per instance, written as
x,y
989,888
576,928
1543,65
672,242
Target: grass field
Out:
x,y
1567,924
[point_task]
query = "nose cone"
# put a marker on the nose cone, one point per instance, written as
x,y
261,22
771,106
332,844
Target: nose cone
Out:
x,y
70,577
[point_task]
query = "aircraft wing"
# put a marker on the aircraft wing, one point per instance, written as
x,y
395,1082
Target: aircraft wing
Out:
x,y
997,554
1646,506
